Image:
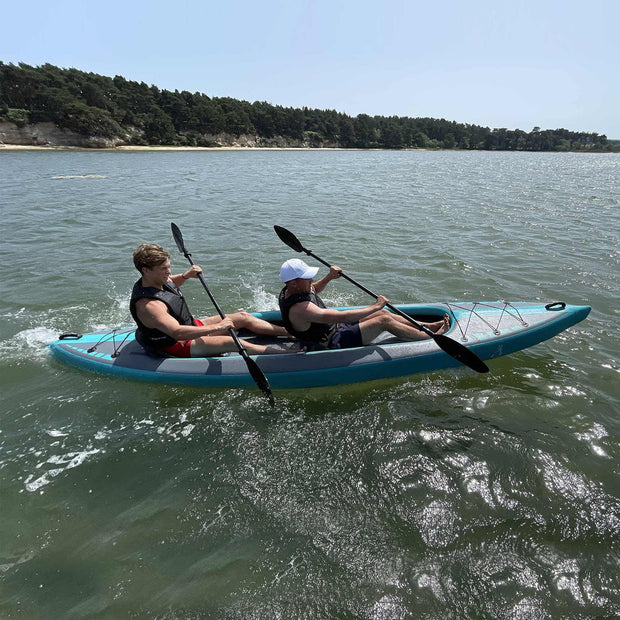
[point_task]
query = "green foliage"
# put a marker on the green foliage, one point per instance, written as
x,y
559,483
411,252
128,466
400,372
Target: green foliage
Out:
x,y
158,127
99,106
88,120
20,117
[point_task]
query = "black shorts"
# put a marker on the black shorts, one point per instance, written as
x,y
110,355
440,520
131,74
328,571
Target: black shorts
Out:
x,y
346,336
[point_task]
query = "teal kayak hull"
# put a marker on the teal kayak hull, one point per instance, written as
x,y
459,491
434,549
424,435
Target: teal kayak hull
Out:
x,y
489,329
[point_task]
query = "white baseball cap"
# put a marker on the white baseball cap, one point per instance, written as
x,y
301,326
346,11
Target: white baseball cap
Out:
x,y
296,268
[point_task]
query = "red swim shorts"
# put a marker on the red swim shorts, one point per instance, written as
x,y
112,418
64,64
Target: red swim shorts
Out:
x,y
181,348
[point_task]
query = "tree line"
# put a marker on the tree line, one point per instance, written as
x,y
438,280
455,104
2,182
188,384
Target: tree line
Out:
x,y
139,114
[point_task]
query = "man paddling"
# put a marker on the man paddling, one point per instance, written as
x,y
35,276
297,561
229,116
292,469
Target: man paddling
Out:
x,y
165,322
307,318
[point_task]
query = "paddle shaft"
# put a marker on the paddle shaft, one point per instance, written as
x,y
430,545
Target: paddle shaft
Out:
x,y
232,332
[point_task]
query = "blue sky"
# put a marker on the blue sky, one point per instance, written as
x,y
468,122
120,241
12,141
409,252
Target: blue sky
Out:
x,y
513,64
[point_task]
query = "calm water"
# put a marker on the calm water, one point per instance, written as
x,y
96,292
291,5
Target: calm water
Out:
x,y
447,495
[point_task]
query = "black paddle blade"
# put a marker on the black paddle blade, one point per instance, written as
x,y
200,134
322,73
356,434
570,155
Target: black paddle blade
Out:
x,y
178,237
260,379
460,353
289,238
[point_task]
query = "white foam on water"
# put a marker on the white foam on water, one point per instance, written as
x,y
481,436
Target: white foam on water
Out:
x,y
54,433
186,430
29,343
264,300
80,176
26,557
41,481
37,336
69,460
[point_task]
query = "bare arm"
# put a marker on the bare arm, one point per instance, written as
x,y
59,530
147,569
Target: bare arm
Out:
x,y
334,273
180,278
304,313
154,314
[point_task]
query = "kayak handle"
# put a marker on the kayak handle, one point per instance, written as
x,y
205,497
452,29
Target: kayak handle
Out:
x,y
556,305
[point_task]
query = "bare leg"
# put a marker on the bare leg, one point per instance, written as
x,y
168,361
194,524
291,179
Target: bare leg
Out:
x,y
379,322
254,324
214,345
441,326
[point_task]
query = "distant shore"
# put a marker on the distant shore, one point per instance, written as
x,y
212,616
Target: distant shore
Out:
x,y
22,147
19,147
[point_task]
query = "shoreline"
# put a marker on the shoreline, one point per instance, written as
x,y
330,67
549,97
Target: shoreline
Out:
x,y
23,147
117,149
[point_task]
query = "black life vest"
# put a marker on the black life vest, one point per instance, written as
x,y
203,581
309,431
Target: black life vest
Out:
x,y
173,298
317,333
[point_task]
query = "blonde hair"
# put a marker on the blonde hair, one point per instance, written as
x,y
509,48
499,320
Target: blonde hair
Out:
x,y
149,255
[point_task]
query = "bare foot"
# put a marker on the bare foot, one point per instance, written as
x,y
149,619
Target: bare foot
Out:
x,y
285,348
445,325
437,325
276,350
440,327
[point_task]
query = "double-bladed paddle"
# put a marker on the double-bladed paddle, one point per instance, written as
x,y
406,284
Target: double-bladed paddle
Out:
x,y
255,371
451,347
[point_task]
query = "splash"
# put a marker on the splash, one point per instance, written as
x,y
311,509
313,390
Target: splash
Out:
x,y
28,343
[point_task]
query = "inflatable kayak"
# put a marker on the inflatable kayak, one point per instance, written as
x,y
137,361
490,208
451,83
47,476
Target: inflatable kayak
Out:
x,y
489,329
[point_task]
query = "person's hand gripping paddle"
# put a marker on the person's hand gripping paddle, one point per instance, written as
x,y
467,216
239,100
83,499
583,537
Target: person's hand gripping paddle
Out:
x,y
254,370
